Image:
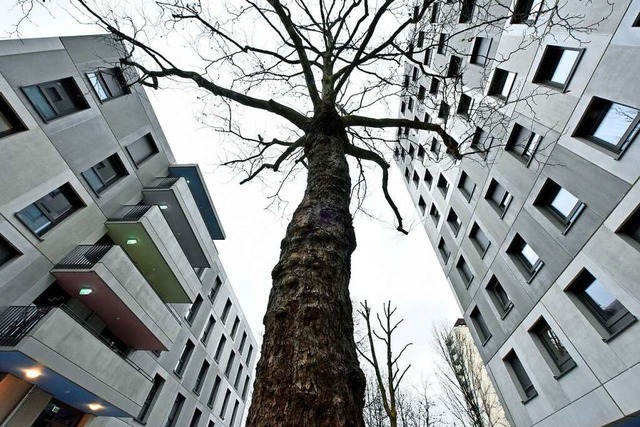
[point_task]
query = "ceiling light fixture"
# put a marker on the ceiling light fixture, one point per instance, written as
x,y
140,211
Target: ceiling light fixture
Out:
x,y
95,406
32,373
132,241
85,291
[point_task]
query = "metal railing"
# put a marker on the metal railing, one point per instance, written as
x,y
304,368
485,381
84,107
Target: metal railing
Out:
x,y
83,257
163,183
17,321
130,213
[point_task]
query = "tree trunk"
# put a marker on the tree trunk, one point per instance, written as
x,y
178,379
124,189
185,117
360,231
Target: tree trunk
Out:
x,y
308,373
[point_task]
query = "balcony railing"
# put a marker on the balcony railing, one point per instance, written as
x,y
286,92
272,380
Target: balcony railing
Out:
x,y
16,322
83,257
163,183
130,213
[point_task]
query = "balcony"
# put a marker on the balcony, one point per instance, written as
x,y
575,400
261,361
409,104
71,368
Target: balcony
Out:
x,y
147,238
177,204
105,279
48,347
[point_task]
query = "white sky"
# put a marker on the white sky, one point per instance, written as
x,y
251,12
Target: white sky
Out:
x,y
385,266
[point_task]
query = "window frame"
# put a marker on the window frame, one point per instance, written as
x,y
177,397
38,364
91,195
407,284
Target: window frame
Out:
x,y
499,80
15,122
530,147
434,86
442,44
154,150
500,299
434,213
520,377
118,167
502,206
547,195
523,10
480,326
444,250
465,106
68,84
119,77
516,249
454,223
8,252
444,189
542,332
454,67
475,51
466,11
549,63
475,231
465,179
464,271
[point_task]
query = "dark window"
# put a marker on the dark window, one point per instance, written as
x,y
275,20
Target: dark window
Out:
x,y
434,13
442,40
196,418
454,222
435,214
443,185
410,104
465,271
420,39
609,124
464,105
427,119
172,419
526,256
480,325
225,311
158,382
421,152
498,197
403,107
234,328
434,86
502,83
443,111
480,51
415,75
455,66
7,251
211,424
405,83
466,186
406,174
213,293
526,11
56,99
108,83
10,123
245,387
466,12
631,227
563,206
435,148
412,150
416,179
428,178
249,354
551,343
428,55
238,375
422,91
422,205
479,239
557,66
523,143
207,330
526,387
220,348
444,250
142,149
48,211
225,403
193,310
184,358
234,414
636,23
604,306
499,296
214,392
202,374
243,341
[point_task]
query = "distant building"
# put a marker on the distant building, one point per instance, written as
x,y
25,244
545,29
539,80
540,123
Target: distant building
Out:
x,y
114,307
538,232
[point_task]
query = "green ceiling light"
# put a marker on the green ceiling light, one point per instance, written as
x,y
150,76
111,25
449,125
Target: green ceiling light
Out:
x,y
163,207
85,291
132,241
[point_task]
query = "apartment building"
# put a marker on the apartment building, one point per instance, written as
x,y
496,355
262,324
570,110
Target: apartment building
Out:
x,y
114,307
538,227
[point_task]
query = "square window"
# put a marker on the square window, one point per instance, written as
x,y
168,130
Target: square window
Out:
x,y
422,205
454,222
499,296
526,11
479,239
51,209
10,123
421,152
443,111
557,66
108,83
466,11
498,197
464,105
466,186
428,178
422,91
435,148
442,40
416,179
501,84
443,185
480,326
435,214
455,66
524,385
556,352
444,250
57,98
142,149
608,124
434,86
412,150
523,143
526,257
105,173
563,206
480,51
465,271
7,251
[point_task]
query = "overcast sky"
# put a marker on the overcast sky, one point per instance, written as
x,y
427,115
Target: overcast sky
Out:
x,y
386,265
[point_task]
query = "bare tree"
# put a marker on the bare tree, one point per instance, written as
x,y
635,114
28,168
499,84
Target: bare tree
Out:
x,y
317,68
467,390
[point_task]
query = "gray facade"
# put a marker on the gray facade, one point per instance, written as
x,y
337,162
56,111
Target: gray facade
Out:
x,y
114,306
537,228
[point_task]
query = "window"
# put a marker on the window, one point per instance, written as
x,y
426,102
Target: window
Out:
x,y
563,206
202,374
454,222
214,392
631,228
220,348
443,185
410,104
108,83
56,99
551,343
442,40
523,143
428,178
238,375
444,250
527,258
421,152
7,251
225,311
422,91
249,354
519,375
158,382
225,403
193,310
435,214
234,328
608,124
464,105
142,149
603,306
466,12
480,326
234,413
211,424
636,23
403,107
405,83
245,387
414,76
499,296
196,418
479,239
465,271
50,210
443,111
501,84
434,13
406,174
207,330
498,197
213,293
172,419
480,51
412,150
427,118
420,39
10,123
422,205
416,179
466,186
184,358
243,341
526,11
455,65
435,148
434,86
557,66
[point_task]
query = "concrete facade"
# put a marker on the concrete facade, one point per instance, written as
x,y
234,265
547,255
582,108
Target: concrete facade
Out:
x,y
595,383
99,302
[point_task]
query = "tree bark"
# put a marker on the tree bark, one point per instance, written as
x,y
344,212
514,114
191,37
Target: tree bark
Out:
x,y
308,373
